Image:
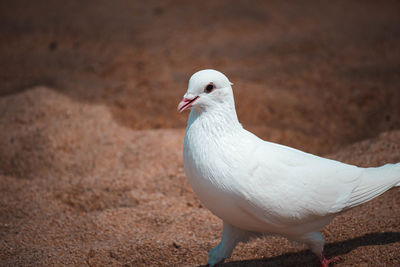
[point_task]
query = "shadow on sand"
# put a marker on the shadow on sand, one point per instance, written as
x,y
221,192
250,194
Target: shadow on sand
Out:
x,y
307,258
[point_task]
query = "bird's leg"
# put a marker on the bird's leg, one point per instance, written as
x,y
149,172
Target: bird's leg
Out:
x,y
230,237
316,242
324,262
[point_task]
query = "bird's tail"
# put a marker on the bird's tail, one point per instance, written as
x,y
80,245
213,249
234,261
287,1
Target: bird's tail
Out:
x,y
374,182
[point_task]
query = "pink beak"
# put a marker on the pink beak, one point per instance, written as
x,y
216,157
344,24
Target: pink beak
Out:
x,y
186,103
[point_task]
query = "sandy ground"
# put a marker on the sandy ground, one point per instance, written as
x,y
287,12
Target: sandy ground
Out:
x,y
91,169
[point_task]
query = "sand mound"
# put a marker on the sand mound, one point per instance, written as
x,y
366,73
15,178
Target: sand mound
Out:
x,y
77,188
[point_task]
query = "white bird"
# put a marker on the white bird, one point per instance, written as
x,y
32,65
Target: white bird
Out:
x,y
258,187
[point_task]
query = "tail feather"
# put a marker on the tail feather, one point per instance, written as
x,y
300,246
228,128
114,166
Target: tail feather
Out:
x,y
374,182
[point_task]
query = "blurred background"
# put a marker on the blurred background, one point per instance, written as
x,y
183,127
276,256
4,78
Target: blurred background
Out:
x,y
315,72
91,141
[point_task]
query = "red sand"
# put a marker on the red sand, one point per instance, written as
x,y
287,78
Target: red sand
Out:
x,y
90,141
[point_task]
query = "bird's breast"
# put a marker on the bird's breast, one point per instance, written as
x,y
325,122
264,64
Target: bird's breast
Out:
x,y
214,179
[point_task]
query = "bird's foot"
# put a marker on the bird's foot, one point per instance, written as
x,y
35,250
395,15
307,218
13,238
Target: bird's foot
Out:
x,y
324,262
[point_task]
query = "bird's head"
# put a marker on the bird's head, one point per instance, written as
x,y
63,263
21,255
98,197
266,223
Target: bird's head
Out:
x,y
207,89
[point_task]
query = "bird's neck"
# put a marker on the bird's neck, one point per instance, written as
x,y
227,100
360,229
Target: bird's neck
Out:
x,y
218,121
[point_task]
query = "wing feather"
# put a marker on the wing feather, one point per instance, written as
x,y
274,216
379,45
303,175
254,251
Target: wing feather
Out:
x,y
287,186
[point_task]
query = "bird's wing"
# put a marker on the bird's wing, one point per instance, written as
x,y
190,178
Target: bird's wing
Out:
x,y
293,186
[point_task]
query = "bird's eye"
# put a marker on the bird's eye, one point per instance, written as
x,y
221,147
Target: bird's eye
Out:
x,y
209,88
